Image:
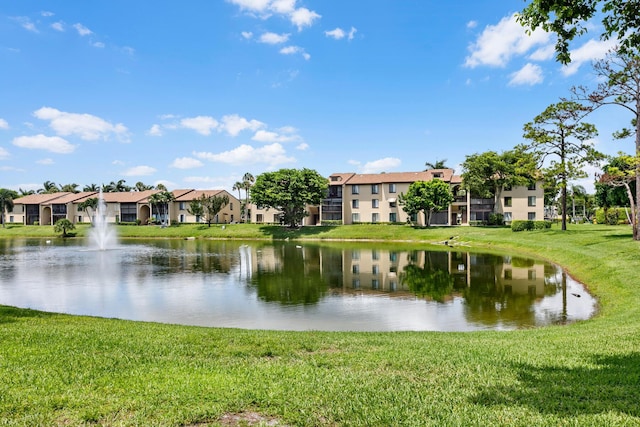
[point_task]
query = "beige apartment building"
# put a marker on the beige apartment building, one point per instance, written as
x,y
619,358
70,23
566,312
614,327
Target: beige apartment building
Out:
x,y
130,207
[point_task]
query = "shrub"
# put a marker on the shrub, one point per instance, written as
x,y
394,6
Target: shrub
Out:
x,y
476,223
527,225
331,222
496,219
541,225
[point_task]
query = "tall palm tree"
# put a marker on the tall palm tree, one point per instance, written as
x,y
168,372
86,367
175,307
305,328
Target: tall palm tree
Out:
x,y
6,202
439,164
247,183
161,201
141,186
49,187
23,193
239,185
69,188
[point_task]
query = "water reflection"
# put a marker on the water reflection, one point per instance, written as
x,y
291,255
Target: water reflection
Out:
x,y
290,286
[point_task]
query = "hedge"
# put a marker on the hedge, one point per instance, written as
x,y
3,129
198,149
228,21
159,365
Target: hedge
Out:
x,y
527,225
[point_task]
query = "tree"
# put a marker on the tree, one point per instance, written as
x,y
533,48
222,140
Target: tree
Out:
x,y
620,76
212,205
90,206
247,183
486,174
615,187
23,193
559,133
426,197
116,187
161,202
289,191
63,225
6,202
141,186
69,188
439,164
580,193
239,185
196,208
49,187
568,19
91,187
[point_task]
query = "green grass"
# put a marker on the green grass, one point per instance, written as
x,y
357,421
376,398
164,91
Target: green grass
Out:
x,y
66,370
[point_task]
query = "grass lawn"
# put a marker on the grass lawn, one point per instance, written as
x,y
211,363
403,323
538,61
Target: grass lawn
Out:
x,y
65,370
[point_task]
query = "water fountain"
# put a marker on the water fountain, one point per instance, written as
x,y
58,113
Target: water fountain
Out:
x,y
101,236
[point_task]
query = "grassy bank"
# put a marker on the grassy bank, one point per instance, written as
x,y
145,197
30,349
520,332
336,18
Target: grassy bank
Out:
x,y
65,370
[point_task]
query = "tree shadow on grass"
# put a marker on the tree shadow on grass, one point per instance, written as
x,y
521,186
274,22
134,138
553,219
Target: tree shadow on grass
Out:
x,y
284,232
613,385
12,314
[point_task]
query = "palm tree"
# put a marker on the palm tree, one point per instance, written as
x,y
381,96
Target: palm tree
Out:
x,y
91,187
23,193
247,183
69,188
439,164
239,185
116,187
49,187
577,192
141,186
6,202
90,206
161,201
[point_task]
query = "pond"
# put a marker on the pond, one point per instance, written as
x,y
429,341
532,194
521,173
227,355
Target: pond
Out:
x,y
290,286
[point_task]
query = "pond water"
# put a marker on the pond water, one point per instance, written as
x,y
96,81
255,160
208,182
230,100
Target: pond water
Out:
x,y
290,286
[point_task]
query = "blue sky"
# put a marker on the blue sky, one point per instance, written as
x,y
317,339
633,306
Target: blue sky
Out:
x,y
194,94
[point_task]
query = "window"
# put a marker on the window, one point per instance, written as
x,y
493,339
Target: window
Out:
x,y
375,283
531,201
11,218
355,269
375,269
355,203
276,218
375,217
355,217
182,206
507,217
392,188
374,189
79,218
531,274
531,216
507,202
231,219
393,203
259,218
181,217
375,255
532,186
508,274
355,283
231,206
355,254
128,212
393,217
375,203
355,189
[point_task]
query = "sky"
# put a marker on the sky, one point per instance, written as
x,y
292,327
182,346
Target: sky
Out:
x,y
195,94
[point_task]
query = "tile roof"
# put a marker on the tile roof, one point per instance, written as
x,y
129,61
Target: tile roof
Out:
x,y
72,197
38,199
398,177
196,194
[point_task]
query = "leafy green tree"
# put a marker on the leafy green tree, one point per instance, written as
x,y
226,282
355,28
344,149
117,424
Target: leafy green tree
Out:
x,y
426,197
559,133
617,184
209,206
196,208
63,225
90,206
289,191
141,186
486,174
569,19
6,202
161,202
431,280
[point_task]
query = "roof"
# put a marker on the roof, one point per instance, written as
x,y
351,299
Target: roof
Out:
x,y
128,197
403,177
38,199
72,197
340,178
196,194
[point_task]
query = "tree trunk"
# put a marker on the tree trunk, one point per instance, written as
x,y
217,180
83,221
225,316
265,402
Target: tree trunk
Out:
x,y
636,222
634,219
564,206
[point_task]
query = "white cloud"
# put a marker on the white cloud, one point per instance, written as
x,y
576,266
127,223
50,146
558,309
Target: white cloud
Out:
x,y
98,44
472,24
544,53
303,17
303,147
272,155
3,153
3,124
247,34
273,38
128,50
155,130
82,30
252,5
46,13
337,34
55,144
45,162
268,136
291,50
592,50
86,126
26,23
499,43
186,163
140,171
58,26
283,6
530,74
233,124
378,166
201,124
352,33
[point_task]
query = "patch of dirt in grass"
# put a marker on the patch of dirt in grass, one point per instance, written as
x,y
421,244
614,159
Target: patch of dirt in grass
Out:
x,y
244,419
